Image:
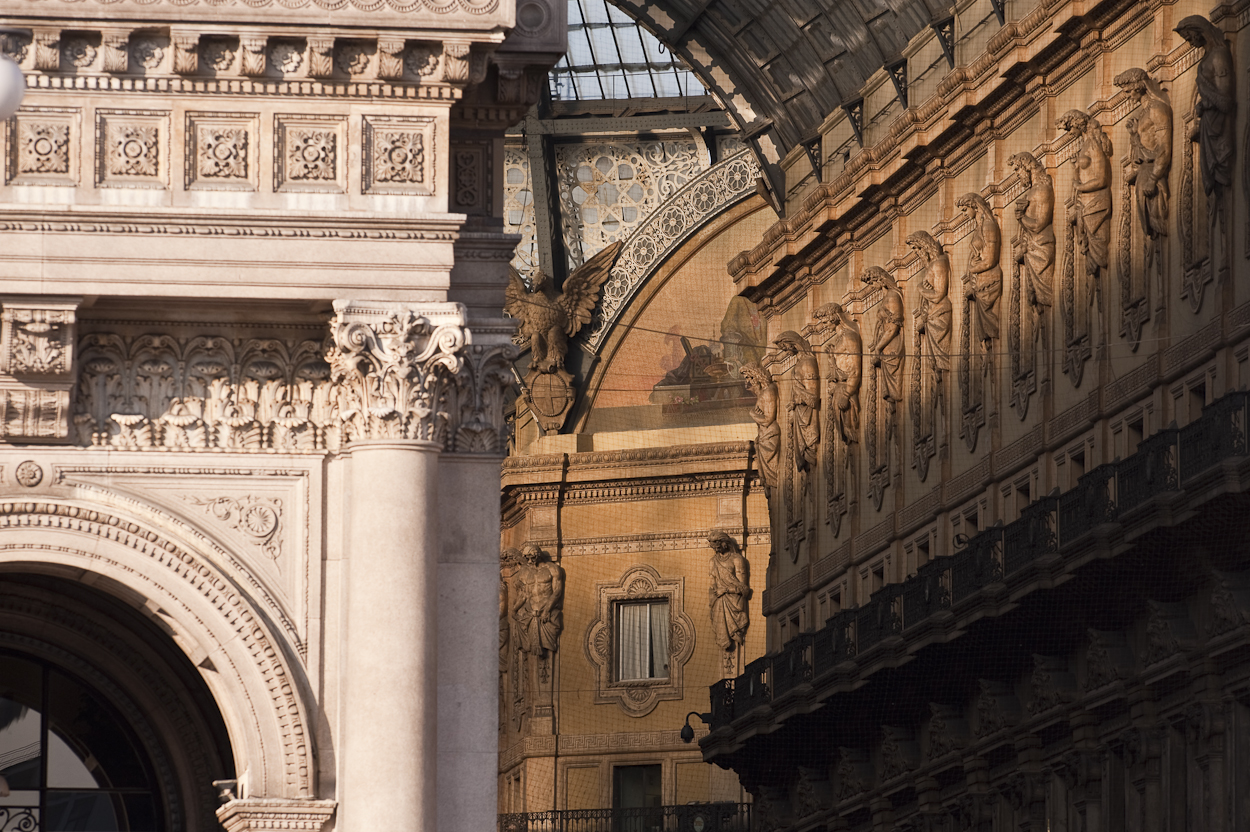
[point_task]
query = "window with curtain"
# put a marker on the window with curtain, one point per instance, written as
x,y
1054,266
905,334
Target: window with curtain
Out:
x,y
642,640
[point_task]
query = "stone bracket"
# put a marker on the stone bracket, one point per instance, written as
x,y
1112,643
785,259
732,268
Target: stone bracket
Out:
x,y
36,367
269,815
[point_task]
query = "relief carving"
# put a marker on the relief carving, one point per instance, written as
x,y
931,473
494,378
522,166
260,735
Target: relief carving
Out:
x,y
997,707
768,433
854,773
15,46
252,55
983,286
390,366
388,373
538,602
728,595
390,57
846,370
948,730
78,52
399,156
1089,234
311,155
47,49
899,754
186,52
1033,280
258,518
811,792
1210,126
803,439
219,53
422,61
885,380
222,152
320,57
37,341
1052,684
548,320
148,53
43,147
355,58
1146,200
133,149
456,63
932,346
286,56
114,48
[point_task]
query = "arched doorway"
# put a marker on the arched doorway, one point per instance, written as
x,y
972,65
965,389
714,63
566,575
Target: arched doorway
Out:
x,y
105,725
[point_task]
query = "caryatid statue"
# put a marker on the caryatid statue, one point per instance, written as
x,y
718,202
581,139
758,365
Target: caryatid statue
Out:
x,y
933,349
538,602
768,433
804,404
1150,162
1033,277
1215,110
845,375
983,282
846,369
729,592
887,348
886,353
1090,211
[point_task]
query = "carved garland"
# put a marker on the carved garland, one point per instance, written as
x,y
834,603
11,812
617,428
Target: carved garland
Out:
x,y
202,579
639,697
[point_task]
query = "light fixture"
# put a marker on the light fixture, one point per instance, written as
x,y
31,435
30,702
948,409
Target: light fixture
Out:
x,y
687,733
12,81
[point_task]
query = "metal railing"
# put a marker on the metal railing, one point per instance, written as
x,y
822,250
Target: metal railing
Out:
x,y
1163,463
693,817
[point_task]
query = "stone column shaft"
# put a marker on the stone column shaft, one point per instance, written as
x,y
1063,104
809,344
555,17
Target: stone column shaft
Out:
x,y
390,709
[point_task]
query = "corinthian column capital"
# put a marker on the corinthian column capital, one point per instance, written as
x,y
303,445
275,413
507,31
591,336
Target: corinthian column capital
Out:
x,y
391,364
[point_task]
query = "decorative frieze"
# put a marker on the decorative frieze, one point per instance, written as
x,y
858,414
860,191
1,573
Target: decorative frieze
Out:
x,y
79,52
388,371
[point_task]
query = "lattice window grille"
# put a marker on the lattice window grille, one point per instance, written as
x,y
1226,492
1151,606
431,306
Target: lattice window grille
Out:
x,y
518,209
607,189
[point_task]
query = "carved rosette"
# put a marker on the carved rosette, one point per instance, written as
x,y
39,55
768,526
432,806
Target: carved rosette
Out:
x,y
392,367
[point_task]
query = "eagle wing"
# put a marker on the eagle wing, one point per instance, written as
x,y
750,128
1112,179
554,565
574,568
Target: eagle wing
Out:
x,y
514,296
581,289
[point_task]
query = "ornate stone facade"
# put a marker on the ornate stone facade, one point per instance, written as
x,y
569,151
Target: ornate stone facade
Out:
x,y
243,367
1087,225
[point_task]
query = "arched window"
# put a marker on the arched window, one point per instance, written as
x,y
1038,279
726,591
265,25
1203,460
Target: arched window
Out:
x,y
69,762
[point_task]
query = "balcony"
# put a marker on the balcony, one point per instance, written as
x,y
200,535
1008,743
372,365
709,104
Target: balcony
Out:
x,y
693,817
1057,525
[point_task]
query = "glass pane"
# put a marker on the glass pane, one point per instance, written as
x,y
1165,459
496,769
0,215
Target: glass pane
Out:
x,y
83,812
659,640
634,651
93,739
21,684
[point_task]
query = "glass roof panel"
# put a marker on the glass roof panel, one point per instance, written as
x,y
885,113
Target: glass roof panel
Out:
x,y
611,56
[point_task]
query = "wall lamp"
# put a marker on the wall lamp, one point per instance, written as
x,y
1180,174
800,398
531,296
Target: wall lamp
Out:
x,y
687,733
12,82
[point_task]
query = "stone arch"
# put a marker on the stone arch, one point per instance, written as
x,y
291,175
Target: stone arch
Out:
x,y
257,685
124,658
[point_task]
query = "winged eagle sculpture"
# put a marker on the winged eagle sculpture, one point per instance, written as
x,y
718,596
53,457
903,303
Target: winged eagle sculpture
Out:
x,y
548,320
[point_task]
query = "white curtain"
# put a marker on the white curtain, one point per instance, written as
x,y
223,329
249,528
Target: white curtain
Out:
x,y
633,623
659,640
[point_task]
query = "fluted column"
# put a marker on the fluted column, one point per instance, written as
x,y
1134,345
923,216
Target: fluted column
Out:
x,y
392,366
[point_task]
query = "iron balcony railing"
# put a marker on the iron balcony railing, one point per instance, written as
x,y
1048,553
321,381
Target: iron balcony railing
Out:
x,y
692,817
1164,463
